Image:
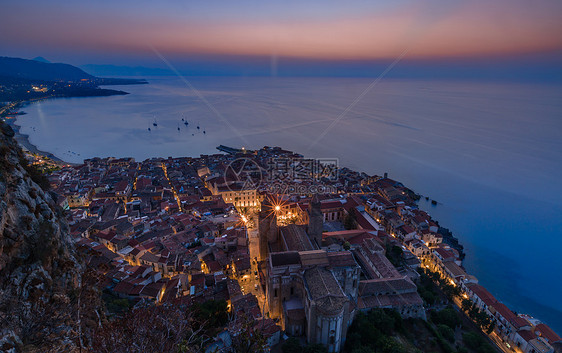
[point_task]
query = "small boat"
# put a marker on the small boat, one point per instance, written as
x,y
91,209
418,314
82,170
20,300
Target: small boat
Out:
x,y
204,132
197,127
185,123
178,127
149,129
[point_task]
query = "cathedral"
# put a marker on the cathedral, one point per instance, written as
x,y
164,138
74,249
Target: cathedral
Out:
x,y
312,292
315,289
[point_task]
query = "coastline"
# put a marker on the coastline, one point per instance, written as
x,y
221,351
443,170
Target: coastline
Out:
x,y
23,139
24,142
11,109
450,224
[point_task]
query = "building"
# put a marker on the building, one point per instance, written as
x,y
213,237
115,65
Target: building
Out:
x,y
234,193
316,292
311,291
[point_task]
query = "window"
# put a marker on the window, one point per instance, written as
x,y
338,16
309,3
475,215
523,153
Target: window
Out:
x,y
275,293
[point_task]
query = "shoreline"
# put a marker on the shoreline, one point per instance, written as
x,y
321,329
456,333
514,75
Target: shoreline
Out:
x,y
25,143
23,139
13,108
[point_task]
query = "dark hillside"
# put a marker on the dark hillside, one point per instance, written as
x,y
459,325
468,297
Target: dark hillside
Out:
x,y
41,71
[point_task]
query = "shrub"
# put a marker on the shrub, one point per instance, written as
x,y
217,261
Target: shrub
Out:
x,y
35,174
427,295
446,332
292,345
447,316
315,348
212,313
390,345
362,349
477,343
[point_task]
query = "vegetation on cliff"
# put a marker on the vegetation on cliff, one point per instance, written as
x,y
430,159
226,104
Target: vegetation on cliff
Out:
x,y
38,268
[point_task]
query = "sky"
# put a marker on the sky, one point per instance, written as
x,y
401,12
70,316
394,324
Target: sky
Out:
x,y
318,37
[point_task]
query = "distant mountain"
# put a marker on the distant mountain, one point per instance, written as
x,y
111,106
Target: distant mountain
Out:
x,y
38,70
24,80
114,70
41,59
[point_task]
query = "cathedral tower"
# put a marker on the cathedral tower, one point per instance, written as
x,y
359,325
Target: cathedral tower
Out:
x,y
315,221
267,223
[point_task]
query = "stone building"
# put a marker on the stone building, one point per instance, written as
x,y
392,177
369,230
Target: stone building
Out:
x,y
316,293
311,291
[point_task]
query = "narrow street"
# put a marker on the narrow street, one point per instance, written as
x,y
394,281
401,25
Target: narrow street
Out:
x,y
176,197
253,285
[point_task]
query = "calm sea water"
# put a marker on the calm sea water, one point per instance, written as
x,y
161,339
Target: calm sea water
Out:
x,y
490,153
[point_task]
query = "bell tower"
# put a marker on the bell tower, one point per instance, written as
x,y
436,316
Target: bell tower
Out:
x,y
315,221
267,223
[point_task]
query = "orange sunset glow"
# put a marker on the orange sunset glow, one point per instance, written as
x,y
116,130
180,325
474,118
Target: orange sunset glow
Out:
x,y
424,29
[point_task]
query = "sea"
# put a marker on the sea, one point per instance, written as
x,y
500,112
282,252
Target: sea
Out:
x,y
489,153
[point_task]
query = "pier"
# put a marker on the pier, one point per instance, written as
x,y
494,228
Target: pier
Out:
x,y
231,150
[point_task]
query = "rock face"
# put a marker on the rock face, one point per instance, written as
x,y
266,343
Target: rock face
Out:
x,y
38,268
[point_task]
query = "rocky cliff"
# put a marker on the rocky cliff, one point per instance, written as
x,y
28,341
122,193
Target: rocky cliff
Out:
x,y
39,273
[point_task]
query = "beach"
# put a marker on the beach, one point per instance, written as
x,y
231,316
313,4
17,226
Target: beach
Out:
x,y
23,139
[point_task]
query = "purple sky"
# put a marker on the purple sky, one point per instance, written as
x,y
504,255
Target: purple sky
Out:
x,y
233,32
